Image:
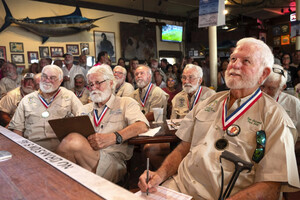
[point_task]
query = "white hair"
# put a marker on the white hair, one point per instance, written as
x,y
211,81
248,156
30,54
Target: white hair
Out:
x,y
196,67
122,68
55,67
266,55
277,76
104,71
148,69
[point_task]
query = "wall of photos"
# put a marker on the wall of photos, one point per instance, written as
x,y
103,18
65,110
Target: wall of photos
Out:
x,y
21,46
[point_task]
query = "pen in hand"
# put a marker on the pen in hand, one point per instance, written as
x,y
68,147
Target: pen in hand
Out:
x,y
147,179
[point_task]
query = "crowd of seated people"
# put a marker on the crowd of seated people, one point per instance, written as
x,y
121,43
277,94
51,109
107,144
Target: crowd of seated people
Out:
x,y
120,100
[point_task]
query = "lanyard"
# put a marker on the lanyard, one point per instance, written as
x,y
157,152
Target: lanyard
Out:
x,y
228,121
79,94
143,101
197,96
98,119
44,102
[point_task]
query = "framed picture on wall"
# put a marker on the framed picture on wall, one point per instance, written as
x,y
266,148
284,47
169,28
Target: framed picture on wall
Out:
x,y
3,52
84,48
57,51
17,58
73,48
105,41
44,52
33,56
16,47
20,69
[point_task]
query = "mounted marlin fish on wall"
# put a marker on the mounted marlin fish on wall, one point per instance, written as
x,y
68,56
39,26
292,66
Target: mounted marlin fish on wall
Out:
x,y
52,26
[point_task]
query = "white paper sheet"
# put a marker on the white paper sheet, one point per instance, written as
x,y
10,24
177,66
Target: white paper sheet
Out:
x,y
164,193
151,132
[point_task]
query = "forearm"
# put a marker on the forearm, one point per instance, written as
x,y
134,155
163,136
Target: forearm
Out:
x,y
4,118
133,130
261,190
171,163
150,116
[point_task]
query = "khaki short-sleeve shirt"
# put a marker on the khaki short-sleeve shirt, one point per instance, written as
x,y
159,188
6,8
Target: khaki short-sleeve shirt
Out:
x,y
199,173
10,101
83,96
157,99
125,90
7,84
181,104
28,116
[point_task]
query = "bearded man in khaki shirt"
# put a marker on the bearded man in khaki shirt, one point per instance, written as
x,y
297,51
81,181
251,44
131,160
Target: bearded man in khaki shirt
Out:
x,y
115,120
148,95
50,102
123,89
243,121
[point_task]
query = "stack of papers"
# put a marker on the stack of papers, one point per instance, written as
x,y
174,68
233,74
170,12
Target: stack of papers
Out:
x,y
151,132
164,193
173,124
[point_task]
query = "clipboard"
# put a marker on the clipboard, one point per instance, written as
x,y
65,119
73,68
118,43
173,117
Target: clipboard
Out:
x,y
79,124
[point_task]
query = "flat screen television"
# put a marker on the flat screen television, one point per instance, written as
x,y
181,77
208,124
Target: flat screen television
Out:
x,y
171,33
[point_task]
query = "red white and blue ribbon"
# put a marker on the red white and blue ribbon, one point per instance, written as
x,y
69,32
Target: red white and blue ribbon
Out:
x,y
197,97
79,94
143,101
228,121
98,119
45,103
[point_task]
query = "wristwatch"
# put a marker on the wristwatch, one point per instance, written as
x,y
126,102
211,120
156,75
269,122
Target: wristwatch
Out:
x,y
119,138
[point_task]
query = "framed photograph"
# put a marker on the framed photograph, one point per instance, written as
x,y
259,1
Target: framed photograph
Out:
x,y
57,51
285,39
44,52
17,58
285,28
3,53
33,56
73,48
84,48
16,47
138,41
105,41
276,41
20,69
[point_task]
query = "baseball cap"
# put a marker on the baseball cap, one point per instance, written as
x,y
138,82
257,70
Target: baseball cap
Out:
x,y
28,76
68,53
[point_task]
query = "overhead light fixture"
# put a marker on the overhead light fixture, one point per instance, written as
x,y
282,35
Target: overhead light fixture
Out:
x,y
225,27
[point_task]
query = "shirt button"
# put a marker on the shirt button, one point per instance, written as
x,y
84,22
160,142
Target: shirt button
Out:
x,y
194,182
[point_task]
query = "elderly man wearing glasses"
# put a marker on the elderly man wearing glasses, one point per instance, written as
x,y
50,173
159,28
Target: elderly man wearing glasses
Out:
x,y
115,120
50,102
123,89
244,121
192,92
274,86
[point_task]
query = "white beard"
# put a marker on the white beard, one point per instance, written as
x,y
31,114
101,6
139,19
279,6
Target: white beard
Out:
x,y
189,88
47,87
27,89
244,83
141,83
98,96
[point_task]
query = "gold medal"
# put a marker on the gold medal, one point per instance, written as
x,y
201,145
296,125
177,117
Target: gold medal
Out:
x,y
233,130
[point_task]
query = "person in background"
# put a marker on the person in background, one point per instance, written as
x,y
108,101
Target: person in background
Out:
x,y
123,89
80,90
121,62
163,65
34,68
9,103
160,78
70,70
42,63
291,72
58,62
2,61
12,79
115,120
192,92
262,134
37,80
37,108
102,58
169,69
82,64
221,76
148,95
171,90
274,86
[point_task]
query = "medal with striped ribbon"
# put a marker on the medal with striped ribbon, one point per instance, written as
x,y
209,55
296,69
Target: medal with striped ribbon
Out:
x,y
46,114
98,119
143,101
197,96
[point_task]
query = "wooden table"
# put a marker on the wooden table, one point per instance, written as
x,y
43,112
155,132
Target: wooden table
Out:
x,y
163,136
25,176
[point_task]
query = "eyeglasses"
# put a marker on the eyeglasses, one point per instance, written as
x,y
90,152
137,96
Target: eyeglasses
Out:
x,y
191,78
172,80
278,71
97,83
51,78
260,146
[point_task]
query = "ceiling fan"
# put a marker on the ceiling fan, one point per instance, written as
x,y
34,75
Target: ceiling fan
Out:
x,y
146,22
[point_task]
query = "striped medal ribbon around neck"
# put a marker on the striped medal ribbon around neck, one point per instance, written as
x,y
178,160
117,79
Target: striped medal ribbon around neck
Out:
x,y
143,101
44,102
98,119
197,96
